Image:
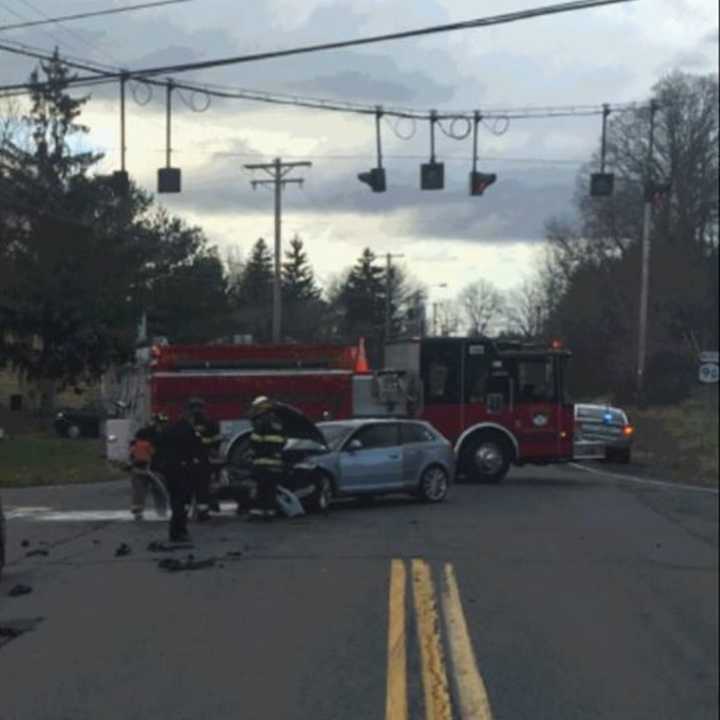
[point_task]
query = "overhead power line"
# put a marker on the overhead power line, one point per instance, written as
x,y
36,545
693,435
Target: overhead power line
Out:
x,y
105,74
435,29
95,13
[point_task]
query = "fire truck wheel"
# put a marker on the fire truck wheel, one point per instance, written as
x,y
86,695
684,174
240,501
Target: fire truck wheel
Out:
x,y
433,485
486,458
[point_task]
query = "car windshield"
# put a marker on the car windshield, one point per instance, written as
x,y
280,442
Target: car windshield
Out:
x,y
335,433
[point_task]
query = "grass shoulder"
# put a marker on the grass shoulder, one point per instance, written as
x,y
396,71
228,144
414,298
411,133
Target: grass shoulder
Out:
x,y
41,459
681,440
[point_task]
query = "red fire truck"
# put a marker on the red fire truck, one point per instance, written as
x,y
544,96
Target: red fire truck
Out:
x,y
498,403
325,381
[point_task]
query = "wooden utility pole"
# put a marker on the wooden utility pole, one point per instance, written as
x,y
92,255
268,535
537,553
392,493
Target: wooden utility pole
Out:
x,y
278,171
388,293
645,277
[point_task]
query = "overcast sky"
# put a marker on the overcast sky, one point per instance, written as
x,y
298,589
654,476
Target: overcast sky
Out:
x,y
614,54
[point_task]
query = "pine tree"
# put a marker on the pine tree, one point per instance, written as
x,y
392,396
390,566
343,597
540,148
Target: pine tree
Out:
x,y
253,294
362,302
299,284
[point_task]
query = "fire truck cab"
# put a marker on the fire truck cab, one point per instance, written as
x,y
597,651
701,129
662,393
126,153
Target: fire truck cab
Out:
x,y
498,403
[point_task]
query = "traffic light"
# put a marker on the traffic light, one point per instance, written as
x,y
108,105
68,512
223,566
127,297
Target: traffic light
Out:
x,y
120,183
375,178
656,193
169,180
480,182
432,176
602,184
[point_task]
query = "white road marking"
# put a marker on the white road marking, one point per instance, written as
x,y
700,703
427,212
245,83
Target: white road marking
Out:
x,y
48,514
645,481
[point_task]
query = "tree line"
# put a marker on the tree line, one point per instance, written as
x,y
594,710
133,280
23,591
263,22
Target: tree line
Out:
x,y
82,263
590,283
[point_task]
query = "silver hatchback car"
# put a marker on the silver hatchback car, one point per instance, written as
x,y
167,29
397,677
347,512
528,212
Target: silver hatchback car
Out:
x,y
374,457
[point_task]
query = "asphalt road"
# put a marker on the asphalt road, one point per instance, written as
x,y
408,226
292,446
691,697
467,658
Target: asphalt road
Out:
x,y
559,594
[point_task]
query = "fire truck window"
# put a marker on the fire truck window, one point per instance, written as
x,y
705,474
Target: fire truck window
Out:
x,y
476,381
440,368
378,436
536,381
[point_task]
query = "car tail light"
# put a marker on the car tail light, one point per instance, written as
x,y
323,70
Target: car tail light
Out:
x,y
628,430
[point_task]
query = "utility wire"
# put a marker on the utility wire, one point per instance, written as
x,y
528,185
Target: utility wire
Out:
x,y
435,29
104,76
78,37
466,25
95,13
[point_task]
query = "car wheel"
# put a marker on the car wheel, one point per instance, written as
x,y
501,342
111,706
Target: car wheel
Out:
x,y
433,485
487,458
321,499
73,432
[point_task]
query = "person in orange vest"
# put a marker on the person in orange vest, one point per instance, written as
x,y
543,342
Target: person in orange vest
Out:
x,y
145,467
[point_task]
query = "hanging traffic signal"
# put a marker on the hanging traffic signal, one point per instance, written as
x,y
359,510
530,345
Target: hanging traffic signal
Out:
x,y
602,184
656,193
480,182
169,180
375,178
432,176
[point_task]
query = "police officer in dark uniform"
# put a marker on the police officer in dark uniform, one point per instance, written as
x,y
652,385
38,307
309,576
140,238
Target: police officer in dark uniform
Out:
x,y
182,451
266,445
209,438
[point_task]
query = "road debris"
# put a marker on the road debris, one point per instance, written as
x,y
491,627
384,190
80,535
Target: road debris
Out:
x,y
123,550
19,590
37,553
174,565
13,629
156,546
25,543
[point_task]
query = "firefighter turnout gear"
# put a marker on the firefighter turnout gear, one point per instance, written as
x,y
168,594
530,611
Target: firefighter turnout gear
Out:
x,y
266,446
208,435
183,451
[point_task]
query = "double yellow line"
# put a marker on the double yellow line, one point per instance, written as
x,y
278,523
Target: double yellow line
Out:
x,y
471,694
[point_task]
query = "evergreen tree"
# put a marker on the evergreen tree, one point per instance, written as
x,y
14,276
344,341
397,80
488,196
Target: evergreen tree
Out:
x,y
253,294
297,274
303,307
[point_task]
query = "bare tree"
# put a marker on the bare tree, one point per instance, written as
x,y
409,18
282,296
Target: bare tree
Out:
x,y
526,309
481,304
234,264
446,317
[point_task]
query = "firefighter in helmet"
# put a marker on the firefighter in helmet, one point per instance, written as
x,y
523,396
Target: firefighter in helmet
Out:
x,y
183,452
266,447
209,438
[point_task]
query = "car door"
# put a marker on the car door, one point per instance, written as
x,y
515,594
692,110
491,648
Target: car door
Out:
x,y
416,439
371,459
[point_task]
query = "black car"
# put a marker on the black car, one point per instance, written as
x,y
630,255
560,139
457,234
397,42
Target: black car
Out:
x,y
84,422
